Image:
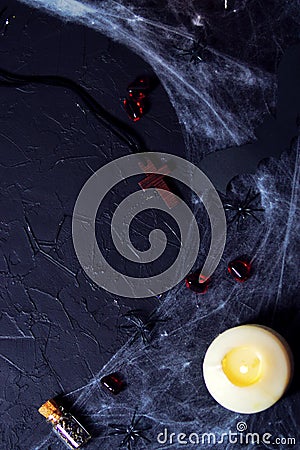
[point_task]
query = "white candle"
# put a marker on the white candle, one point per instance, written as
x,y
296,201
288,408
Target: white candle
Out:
x,y
248,368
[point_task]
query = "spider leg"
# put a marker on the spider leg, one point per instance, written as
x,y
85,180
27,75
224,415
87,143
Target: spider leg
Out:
x,y
247,199
194,58
126,327
229,207
251,214
180,48
149,325
239,221
145,438
183,52
116,433
167,319
140,432
152,319
131,333
144,337
126,441
251,200
3,11
133,421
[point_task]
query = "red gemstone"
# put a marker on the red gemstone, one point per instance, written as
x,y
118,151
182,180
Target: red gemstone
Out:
x,y
139,89
113,382
192,282
133,108
239,269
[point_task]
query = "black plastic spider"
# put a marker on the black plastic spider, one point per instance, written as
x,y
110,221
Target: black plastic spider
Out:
x,y
140,326
132,432
195,51
244,209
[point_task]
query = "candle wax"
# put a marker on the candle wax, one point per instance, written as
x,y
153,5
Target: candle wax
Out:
x,y
248,368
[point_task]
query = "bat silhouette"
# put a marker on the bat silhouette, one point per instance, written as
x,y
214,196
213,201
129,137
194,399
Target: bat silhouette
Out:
x,y
274,135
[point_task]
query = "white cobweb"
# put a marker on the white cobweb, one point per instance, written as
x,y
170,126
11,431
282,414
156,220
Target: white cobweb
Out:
x,y
165,381
219,102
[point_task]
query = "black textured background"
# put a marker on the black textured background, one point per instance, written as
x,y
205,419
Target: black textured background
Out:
x,y
57,328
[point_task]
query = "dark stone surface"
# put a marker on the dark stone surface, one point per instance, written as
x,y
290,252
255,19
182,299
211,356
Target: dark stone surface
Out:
x,y
57,328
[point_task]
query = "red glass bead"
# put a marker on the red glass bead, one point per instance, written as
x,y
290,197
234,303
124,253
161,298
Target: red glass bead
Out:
x,y
133,108
239,269
139,89
192,282
113,382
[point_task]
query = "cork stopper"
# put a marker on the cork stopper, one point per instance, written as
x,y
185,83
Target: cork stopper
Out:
x,y
51,411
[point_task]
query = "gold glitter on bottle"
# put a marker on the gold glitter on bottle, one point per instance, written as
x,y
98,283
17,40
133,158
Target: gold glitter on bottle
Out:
x,y
64,424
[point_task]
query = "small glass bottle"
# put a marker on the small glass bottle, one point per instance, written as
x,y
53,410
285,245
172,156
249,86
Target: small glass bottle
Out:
x,y
64,424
